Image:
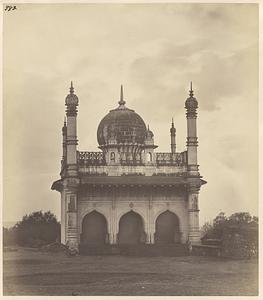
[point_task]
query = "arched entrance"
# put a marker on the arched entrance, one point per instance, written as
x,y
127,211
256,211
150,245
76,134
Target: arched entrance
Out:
x,y
167,228
94,229
131,229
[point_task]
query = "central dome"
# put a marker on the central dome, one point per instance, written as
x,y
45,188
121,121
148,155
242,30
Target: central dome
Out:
x,y
121,125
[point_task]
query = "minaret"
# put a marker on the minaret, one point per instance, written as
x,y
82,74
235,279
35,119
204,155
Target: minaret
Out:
x,y
71,102
173,134
191,106
64,145
69,196
193,179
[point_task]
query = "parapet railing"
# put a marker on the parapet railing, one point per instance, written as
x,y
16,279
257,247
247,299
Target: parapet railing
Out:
x,y
91,158
171,159
162,159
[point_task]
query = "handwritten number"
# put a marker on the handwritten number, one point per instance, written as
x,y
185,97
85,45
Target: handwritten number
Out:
x,y
10,7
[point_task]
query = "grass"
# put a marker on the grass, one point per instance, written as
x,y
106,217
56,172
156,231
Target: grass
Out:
x,y
29,272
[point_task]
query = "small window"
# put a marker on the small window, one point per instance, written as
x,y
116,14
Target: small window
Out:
x,y
149,157
112,156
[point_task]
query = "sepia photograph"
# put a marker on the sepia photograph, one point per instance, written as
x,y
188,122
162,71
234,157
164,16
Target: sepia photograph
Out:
x,y
130,149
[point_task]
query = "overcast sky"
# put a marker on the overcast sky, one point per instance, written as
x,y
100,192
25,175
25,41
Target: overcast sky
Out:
x,y
154,50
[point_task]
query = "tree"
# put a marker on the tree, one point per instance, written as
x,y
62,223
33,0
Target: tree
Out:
x,y
206,228
37,229
219,225
222,223
240,218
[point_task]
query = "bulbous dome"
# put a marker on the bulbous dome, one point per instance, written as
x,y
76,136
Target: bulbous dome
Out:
x,y
121,125
191,102
71,99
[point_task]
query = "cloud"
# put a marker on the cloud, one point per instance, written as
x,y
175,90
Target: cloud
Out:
x,y
155,50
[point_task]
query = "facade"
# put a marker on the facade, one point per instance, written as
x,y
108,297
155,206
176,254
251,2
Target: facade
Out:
x,y
127,193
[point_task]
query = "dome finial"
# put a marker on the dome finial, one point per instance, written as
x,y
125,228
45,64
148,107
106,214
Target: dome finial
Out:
x,y
71,88
191,92
121,93
121,102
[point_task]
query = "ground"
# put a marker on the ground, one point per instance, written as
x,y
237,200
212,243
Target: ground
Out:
x,y
31,272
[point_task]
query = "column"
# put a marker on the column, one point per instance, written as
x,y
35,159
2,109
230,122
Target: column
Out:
x,y
112,233
151,217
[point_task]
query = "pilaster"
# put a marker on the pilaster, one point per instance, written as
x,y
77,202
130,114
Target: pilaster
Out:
x,y
193,214
71,216
113,228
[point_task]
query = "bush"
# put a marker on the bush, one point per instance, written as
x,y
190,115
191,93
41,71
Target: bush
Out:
x,y
9,237
35,230
238,234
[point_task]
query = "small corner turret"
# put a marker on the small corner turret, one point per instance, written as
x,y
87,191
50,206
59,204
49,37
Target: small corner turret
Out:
x,y
173,136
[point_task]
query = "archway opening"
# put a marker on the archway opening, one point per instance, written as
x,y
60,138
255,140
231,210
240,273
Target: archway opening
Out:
x,y
167,229
94,229
149,157
131,229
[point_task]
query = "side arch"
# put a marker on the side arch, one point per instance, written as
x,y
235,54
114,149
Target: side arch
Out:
x,y
86,210
94,229
167,228
177,212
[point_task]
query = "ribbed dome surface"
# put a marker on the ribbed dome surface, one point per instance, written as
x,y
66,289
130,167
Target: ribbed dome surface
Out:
x,y
71,98
122,124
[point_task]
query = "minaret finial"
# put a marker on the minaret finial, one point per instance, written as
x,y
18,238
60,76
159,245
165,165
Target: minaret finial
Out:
x,y
191,92
172,122
71,88
64,121
121,102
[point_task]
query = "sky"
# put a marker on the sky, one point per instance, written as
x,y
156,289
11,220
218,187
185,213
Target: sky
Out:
x,y
154,50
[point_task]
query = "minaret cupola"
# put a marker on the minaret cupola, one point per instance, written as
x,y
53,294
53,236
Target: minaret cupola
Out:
x,y
191,104
71,101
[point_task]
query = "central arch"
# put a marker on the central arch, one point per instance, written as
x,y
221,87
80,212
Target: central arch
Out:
x,y
167,229
94,229
131,230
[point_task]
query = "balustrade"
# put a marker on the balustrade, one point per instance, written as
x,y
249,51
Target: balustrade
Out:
x,y
162,159
167,158
91,158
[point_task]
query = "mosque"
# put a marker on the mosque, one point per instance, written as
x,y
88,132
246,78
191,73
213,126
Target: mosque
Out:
x,y
127,194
